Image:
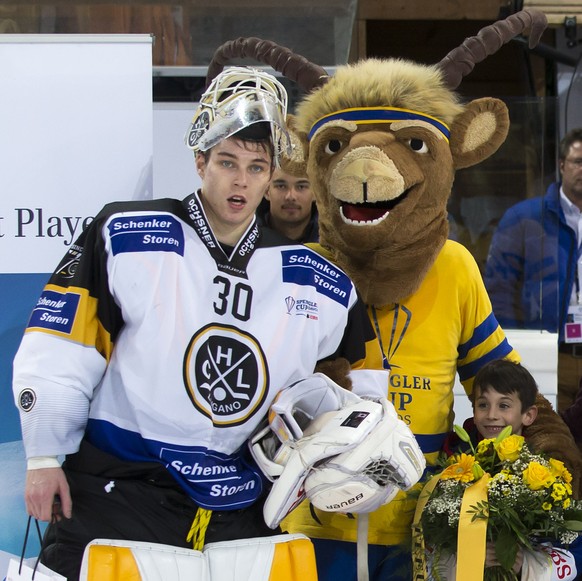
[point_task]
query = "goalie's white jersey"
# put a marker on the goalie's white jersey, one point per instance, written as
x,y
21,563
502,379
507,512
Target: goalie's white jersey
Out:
x,y
155,345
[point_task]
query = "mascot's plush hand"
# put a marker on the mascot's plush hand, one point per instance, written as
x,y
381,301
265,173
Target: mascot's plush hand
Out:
x,y
352,459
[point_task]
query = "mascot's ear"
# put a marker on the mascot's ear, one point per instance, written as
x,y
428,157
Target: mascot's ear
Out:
x,y
297,163
479,131
337,370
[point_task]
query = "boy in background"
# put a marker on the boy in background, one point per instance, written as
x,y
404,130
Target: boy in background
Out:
x,y
505,394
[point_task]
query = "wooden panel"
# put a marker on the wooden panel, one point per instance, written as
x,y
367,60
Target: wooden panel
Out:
x,y
557,12
359,41
504,73
429,9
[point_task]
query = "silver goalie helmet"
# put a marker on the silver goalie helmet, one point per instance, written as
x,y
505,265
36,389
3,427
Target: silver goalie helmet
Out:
x,y
236,99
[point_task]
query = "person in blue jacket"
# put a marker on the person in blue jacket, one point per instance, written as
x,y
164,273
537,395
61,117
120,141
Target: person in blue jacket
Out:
x,y
534,266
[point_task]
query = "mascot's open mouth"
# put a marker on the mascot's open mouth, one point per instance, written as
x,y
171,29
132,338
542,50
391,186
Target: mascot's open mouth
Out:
x,y
368,213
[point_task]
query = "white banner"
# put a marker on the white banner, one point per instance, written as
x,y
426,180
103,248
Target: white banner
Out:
x,y
76,132
175,173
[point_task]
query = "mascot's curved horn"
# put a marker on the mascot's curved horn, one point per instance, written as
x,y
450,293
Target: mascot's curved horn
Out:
x,y
455,65
461,60
293,66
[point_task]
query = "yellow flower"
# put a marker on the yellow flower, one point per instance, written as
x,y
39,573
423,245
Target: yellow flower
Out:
x,y
537,476
566,503
461,470
483,445
547,506
559,470
510,447
558,491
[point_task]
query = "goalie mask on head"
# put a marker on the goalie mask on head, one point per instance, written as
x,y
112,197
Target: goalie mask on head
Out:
x,y
353,459
241,98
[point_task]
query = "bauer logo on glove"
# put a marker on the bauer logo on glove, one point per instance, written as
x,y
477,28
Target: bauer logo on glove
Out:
x,y
371,473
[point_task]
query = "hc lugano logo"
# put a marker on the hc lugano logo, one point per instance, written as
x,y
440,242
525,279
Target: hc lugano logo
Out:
x,y
198,128
225,374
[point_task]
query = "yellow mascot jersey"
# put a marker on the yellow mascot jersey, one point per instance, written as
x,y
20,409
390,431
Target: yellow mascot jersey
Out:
x,y
446,327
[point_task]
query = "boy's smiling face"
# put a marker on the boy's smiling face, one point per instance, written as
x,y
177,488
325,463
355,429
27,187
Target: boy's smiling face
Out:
x,y
493,411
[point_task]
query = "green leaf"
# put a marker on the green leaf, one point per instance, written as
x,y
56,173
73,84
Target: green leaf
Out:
x,y
462,433
503,434
573,525
506,548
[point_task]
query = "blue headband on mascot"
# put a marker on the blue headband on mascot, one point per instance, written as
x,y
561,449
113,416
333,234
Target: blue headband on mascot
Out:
x,y
369,115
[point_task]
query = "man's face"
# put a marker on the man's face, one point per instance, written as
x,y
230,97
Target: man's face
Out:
x,y
290,198
571,170
234,179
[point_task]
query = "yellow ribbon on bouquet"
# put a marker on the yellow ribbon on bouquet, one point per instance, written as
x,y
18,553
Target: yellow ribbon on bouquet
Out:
x,y
418,548
471,534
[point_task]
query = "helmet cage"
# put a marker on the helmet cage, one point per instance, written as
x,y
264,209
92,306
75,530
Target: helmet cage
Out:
x,y
238,98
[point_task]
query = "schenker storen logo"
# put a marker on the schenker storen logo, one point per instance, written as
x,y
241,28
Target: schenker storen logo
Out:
x,y
225,374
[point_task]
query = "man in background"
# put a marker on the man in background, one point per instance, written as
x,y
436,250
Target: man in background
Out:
x,y
289,207
534,268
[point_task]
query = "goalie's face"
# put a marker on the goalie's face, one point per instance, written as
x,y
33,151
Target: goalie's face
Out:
x,y
235,175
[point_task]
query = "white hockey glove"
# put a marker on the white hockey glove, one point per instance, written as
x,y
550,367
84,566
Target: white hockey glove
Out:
x,y
371,473
368,480
298,405
293,410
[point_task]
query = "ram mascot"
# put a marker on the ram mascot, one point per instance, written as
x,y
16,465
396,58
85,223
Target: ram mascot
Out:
x,y
381,141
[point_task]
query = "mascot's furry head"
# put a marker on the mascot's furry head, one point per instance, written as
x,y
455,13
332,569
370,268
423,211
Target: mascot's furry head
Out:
x,y
380,141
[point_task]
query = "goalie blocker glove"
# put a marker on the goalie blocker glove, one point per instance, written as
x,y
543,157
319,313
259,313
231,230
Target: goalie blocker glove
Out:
x,y
371,473
352,459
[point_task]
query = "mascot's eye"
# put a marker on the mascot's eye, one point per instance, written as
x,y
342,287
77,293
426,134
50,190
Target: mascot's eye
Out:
x,y
418,145
333,146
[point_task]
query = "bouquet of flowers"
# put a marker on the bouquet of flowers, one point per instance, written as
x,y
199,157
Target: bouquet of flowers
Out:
x,y
528,502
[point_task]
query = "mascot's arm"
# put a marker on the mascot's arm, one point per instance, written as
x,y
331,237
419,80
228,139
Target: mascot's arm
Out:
x,y
482,338
550,434
371,383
